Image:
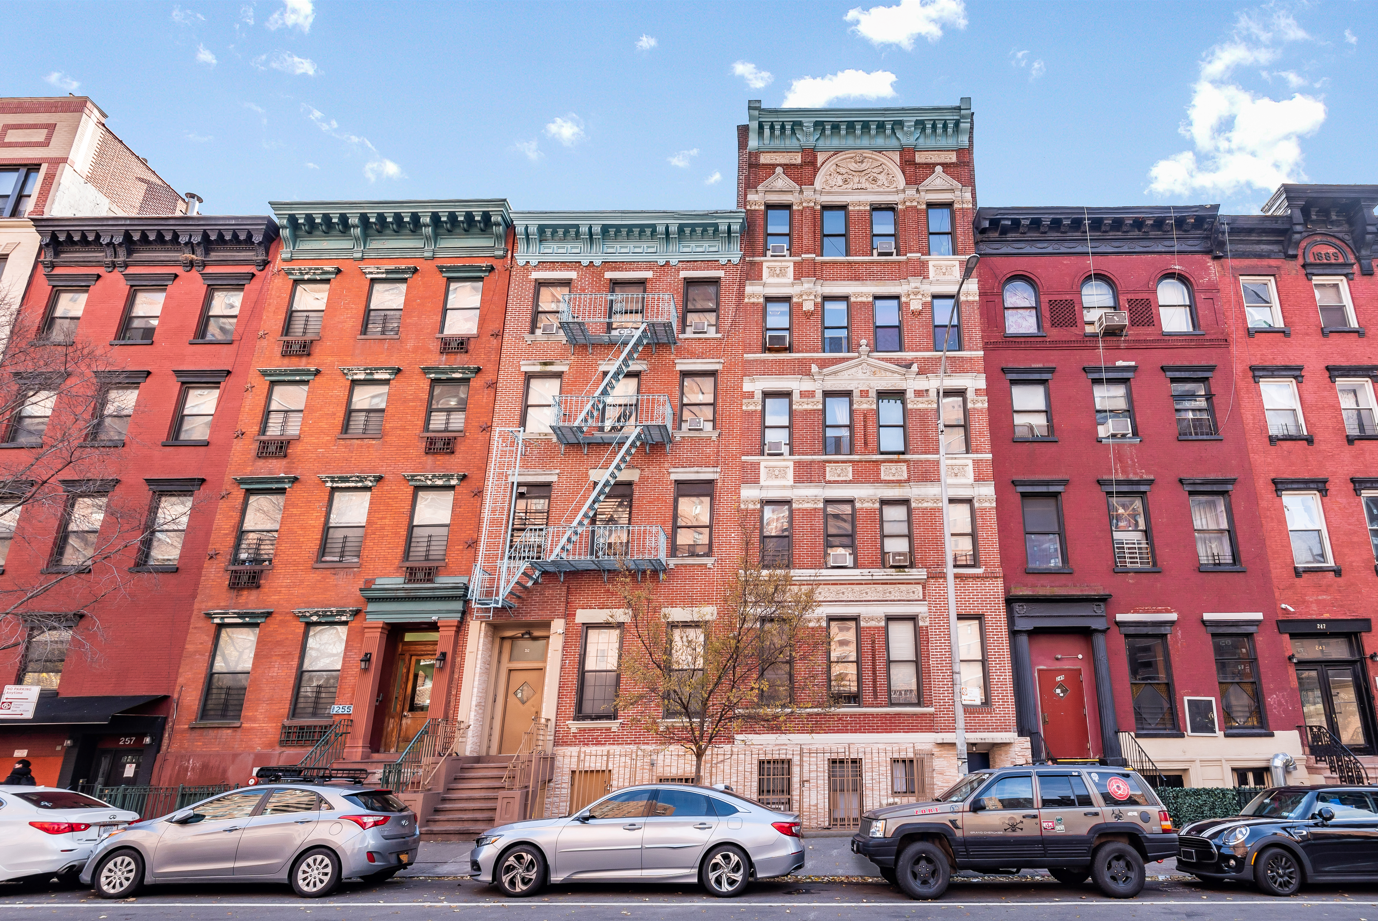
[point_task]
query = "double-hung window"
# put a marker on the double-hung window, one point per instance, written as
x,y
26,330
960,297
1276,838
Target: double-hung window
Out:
x,y
319,676
536,409
1032,417
701,307
693,519
834,231
1129,532
835,325
971,658
344,526
195,413
384,314
1193,406
777,540
1020,299
947,325
1097,296
627,304
45,652
837,423
448,403
777,331
1261,310
894,533
530,517
1043,539
258,528
29,422
887,316
222,313
141,319
283,412
429,533
228,681
955,422
776,663
1306,529
697,400
168,519
1370,517
961,520
462,297
598,673
76,539
1282,409
1114,411
902,661
940,231
368,403
1236,669
545,320
843,679
883,239
308,309
777,230
1150,683
60,326
1332,298
1175,309
1356,404
1210,520
839,534
686,671
11,506
775,423
17,187
890,414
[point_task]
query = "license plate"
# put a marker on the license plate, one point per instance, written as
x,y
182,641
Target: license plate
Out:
x,y
1188,854
403,857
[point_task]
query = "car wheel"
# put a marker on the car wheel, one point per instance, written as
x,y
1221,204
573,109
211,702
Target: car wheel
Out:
x,y
520,872
1069,876
889,875
1118,870
316,873
923,871
726,871
118,875
1277,872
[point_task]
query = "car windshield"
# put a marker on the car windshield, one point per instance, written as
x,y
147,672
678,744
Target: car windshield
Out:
x,y
61,799
1277,804
377,801
963,790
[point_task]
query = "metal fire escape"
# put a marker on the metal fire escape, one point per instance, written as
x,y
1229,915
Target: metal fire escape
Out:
x,y
508,563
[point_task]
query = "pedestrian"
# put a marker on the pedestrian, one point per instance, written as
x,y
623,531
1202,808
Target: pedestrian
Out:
x,y
22,775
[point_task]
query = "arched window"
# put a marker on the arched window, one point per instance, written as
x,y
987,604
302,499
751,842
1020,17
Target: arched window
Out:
x,y
1097,296
1174,306
1021,308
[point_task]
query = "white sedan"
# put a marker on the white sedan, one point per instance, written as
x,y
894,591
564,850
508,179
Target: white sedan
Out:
x,y
47,832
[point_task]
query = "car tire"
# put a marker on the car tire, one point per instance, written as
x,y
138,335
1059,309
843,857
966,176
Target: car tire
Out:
x,y
1118,870
1069,876
316,873
118,875
520,872
890,876
923,871
1278,872
725,871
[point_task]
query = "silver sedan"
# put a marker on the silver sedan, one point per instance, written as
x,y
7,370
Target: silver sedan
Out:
x,y
672,833
309,835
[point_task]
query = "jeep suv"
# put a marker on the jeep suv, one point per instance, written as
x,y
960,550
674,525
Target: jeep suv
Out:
x,y
1077,821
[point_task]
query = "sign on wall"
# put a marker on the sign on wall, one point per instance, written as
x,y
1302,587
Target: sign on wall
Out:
x,y
18,701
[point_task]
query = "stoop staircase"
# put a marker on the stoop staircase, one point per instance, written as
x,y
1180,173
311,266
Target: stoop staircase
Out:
x,y
469,805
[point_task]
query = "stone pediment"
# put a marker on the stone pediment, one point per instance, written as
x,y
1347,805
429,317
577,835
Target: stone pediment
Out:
x,y
778,182
859,172
865,368
940,182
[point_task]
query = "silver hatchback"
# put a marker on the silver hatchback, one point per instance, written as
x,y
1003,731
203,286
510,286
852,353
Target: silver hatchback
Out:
x,y
309,835
673,833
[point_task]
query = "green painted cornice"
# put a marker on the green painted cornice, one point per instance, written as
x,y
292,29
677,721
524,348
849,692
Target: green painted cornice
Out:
x,y
919,127
326,615
450,372
289,374
393,600
596,237
393,229
284,481
240,617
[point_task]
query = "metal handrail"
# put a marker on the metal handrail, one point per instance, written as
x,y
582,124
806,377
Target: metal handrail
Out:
x,y
530,767
610,413
1139,760
399,774
328,750
1323,745
617,308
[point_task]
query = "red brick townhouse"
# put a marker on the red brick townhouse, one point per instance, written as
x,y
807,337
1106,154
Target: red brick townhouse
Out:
x,y
122,384
1137,577
333,602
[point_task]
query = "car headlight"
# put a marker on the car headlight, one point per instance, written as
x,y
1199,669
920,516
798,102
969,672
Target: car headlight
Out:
x,y
485,840
1234,835
878,828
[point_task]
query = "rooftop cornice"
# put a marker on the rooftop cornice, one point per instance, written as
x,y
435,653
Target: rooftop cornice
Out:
x,y
919,127
192,242
393,229
595,237
1063,230
1297,210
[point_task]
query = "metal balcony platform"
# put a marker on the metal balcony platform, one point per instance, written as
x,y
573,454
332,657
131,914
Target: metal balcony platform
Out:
x,y
605,420
610,319
593,548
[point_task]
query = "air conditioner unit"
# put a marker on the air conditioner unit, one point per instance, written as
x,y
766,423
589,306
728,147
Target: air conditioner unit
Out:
x,y
777,342
549,329
778,249
897,560
1115,428
775,447
700,328
693,425
840,557
1112,323
885,249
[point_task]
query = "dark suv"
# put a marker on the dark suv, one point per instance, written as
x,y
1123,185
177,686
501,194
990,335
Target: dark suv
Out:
x,y
1077,821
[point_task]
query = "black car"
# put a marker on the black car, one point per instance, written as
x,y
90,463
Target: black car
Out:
x,y
1287,836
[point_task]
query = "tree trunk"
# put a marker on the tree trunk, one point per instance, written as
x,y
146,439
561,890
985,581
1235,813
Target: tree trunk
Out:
x,y
698,764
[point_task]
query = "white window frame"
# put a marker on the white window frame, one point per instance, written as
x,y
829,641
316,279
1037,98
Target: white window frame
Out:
x,y
1365,387
1343,284
1296,403
1272,293
1325,530
1369,526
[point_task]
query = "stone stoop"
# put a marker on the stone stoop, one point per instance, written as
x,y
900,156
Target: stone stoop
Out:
x,y
469,805
1320,771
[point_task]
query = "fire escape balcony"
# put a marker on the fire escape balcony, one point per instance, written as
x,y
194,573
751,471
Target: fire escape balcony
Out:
x,y
609,319
603,420
592,548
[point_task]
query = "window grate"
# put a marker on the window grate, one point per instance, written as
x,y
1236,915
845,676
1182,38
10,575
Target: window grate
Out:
x,y
774,783
1133,554
296,347
272,447
454,345
246,578
419,575
1063,313
440,444
1140,311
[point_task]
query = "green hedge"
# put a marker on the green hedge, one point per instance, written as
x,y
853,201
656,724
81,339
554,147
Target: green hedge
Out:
x,y
1196,803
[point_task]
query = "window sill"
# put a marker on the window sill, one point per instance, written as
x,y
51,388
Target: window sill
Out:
x,y
1026,335
1285,330
1221,569
713,433
1052,571
1034,440
194,443
131,341
1200,437
586,723
674,561
687,336
172,568
1159,734
1274,439
1129,440
1138,569
103,444
377,437
22,444
1327,330
537,337
1353,438
210,342
215,724
56,570
348,564
277,438
1299,570
379,336
1184,332
1248,733
315,338
440,435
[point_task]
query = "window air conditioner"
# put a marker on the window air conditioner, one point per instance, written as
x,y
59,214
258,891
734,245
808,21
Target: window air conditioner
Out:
x,y
777,342
1115,428
549,329
700,327
897,560
840,556
693,425
1112,323
775,447
885,249
779,249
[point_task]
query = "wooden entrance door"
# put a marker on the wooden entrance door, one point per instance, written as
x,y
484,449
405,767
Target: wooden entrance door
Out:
x,y
1062,708
410,705
522,706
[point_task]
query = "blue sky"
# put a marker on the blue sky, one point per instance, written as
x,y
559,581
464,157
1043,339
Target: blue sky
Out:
x,y
633,105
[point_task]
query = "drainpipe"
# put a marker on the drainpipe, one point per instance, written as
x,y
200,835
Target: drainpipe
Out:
x,y
1278,768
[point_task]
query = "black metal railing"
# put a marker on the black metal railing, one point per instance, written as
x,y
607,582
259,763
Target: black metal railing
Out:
x,y
331,745
440,444
342,545
272,447
1360,422
1138,759
151,802
295,348
223,704
303,324
300,736
450,345
1323,745
1195,426
445,420
256,548
428,546
365,422
419,575
383,323
280,422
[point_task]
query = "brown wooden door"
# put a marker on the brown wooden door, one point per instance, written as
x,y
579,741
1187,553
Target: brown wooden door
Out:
x,y
411,695
1062,702
521,706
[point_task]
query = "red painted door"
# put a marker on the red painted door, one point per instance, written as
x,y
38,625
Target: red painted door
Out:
x,y
1062,712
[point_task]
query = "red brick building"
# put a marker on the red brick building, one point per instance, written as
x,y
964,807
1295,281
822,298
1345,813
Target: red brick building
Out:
x,y
125,370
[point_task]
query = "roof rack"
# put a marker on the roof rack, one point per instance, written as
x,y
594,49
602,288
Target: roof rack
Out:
x,y
292,773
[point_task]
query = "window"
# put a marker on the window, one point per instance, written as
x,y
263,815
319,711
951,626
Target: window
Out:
x,y
65,313
228,681
774,783
883,232
894,531
1306,529
842,663
168,519
1332,297
197,409
701,306
1009,792
116,409
1261,310
76,541
1043,541
686,671
955,422
344,526
775,427
449,400
1097,296
1114,412
319,676
1236,668
839,533
384,314
693,519
777,228
367,405
887,316
1175,309
1370,516
10,508
903,777
45,652
776,661
777,326
1031,416
697,400
286,802
835,329
890,420
902,661
961,518
462,298
1021,308
282,415
1356,403
1063,791
1129,532
145,308
1150,683
627,306
1210,519
834,231
222,312
28,424
546,319
837,423
598,674
430,525
947,325
17,185
940,231
1282,408
536,410
610,537
530,515
971,657
776,535
258,529
308,309
1192,404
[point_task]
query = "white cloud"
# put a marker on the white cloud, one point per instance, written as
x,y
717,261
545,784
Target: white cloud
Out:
x,y
1021,59
815,92
246,15
310,165
377,167
1294,79
1037,70
198,138
713,179
754,76
204,55
1242,140
186,17
63,82
900,25
287,62
295,14
382,168
646,42
529,149
682,158
1351,38
568,130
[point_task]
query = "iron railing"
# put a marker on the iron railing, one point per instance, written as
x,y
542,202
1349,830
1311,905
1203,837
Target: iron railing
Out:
x,y
331,745
1360,422
304,323
342,545
562,547
575,419
414,768
1132,553
256,548
295,348
383,323
1323,745
622,309
364,422
1138,759
297,735
1190,426
530,768
151,802
282,422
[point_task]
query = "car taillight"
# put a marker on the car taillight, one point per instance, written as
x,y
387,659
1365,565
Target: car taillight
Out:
x,y
368,821
787,828
60,828
1165,821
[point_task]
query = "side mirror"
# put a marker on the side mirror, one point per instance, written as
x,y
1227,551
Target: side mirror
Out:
x,y
1327,814
583,818
977,805
182,817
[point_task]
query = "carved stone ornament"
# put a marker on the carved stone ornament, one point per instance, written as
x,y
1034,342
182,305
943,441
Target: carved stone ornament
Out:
x,y
928,502
792,157
370,374
984,501
326,615
750,503
434,479
940,186
865,502
778,270
902,591
805,405
1097,608
808,503
839,471
350,480
751,406
859,172
1021,608
894,471
959,471
778,182
935,156
945,270
777,473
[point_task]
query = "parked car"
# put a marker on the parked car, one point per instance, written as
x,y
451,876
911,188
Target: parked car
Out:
x,y
48,831
1288,836
1076,821
674,833
309,835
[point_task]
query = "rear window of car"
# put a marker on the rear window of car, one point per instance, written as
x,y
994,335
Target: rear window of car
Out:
x,y
377,801
61,799
1121,789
